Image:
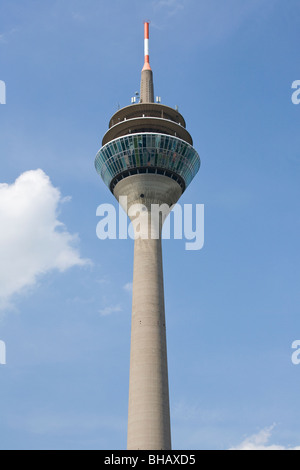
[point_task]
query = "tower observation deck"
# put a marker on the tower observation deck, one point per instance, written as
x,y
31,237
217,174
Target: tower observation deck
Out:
x,y
147,155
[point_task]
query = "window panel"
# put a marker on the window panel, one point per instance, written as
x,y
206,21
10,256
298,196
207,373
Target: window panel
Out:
x,y
147,150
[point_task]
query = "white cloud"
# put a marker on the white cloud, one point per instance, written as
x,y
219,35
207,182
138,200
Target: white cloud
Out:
x,y
45,422
102,281
172,6
78,16
109,310
32,240
260,441
128,287
5,36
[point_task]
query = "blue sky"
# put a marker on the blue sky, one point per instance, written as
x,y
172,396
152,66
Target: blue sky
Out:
x,y
233,307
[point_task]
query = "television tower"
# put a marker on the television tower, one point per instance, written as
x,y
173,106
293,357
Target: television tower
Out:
x,y
147,155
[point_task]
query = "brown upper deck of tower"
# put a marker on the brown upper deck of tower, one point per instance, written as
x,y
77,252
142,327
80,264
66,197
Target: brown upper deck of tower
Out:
x,y
147,117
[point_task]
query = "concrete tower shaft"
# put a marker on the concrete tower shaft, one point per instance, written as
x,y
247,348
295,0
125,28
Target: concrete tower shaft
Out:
x,y
149,409
147,87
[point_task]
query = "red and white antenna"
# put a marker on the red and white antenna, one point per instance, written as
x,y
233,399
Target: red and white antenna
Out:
x,y
147,89
146,46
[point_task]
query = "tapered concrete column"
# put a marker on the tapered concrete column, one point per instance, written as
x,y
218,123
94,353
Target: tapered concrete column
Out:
x,y
147,87
149,411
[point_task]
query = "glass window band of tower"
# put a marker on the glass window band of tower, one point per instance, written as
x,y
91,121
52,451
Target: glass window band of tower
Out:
x,y
147,151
